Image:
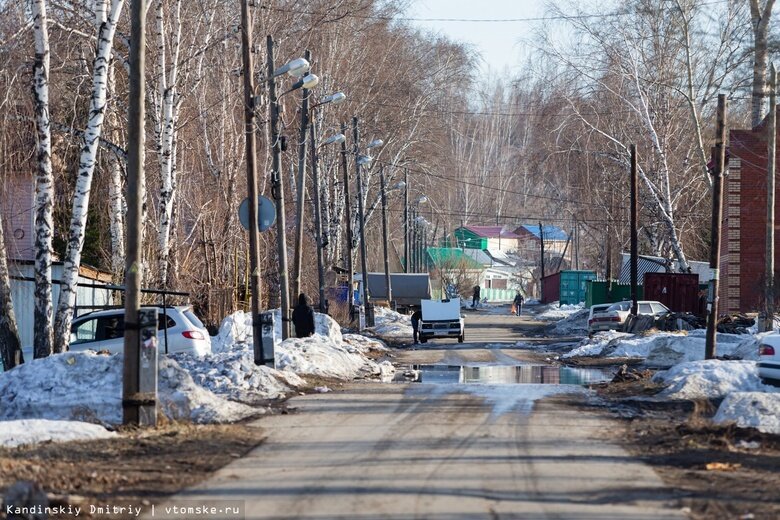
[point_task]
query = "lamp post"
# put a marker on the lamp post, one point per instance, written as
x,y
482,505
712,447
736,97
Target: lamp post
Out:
x,y
334,98
416,233
338,138
348,210
406,220
359,161
295,68
399,185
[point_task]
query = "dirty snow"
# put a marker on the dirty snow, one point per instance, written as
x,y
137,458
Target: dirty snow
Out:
x,y
320,356
87,386
554,312
30,431
751,410
710,379
233,374
575,323
364,344
390,325
663,349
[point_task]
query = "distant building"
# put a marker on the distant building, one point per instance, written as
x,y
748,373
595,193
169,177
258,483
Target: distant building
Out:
x,y
495,238
555,242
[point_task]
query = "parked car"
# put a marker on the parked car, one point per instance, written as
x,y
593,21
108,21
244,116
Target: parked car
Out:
x,y
104,330
769,359
595,311
614,316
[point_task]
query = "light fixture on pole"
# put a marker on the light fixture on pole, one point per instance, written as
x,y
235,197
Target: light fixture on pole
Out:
x,y
296,68
321,241
396,186
361,160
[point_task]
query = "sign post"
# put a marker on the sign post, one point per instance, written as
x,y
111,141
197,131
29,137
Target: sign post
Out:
x,y
147,373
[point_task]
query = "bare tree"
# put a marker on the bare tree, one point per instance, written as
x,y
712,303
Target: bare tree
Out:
x,y
106,23
760,17
44,186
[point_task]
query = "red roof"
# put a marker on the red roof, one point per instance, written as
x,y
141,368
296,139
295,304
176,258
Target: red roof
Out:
x,y
491,232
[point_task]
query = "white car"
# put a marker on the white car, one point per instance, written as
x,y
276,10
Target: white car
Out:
x,y
599,308
614,316
104,330
769,359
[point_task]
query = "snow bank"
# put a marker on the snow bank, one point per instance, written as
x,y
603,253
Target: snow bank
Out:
x,y
320,356
664,349
233,374
31,431
751,410
576,323
710,379
554,312
390,325
236,330
363,344
87,386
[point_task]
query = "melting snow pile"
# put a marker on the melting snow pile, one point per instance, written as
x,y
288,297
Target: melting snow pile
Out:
x,y
87,386
390,325
710,379
30,431
751,410
554,312
325,354
576,323
663,349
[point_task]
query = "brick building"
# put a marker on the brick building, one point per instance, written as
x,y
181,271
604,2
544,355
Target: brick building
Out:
x,y
743,245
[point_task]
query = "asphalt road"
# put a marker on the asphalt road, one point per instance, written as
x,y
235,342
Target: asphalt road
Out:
x,y
440,451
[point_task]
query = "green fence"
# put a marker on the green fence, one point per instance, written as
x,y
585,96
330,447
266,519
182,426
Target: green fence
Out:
x,y
598,292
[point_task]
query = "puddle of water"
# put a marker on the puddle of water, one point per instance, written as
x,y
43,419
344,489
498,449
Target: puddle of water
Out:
x,y
512,374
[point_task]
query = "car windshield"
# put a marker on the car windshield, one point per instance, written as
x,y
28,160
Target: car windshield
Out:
x,y
620,306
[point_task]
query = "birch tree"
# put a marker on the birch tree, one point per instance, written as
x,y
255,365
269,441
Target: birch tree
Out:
x,y
760,16
106,23
44,186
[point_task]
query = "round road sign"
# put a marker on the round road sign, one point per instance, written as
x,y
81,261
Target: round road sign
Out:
x,y
266,213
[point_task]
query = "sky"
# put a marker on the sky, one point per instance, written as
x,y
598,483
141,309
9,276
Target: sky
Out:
x,y
498,42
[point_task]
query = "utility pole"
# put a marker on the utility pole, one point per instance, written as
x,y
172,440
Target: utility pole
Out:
x,y
717,216
348,209
251,179
634,238
576,245
315,179
131,407
541,237
366,297
277,188
384,236
406,220
769,295
301,187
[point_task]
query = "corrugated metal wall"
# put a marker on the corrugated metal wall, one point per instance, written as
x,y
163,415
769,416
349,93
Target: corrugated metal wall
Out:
x,y
23,294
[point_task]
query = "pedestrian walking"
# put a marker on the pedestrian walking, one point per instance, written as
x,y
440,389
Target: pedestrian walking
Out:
x,y
475,297
303,317
518,303
416,317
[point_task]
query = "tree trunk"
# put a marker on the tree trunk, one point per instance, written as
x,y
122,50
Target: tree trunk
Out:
x,y
10,346
760,22
78,221
44,187
115,190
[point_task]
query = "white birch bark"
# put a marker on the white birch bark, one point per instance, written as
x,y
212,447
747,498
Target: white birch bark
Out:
x,y
760,17
115,190
87,160
44,187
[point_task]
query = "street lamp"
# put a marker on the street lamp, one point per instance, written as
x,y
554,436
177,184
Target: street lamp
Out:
x,y
361,160
396,186
335,98
416,252
296,68
334,139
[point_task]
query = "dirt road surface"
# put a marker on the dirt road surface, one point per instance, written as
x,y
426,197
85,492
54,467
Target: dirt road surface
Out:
x,y
441,451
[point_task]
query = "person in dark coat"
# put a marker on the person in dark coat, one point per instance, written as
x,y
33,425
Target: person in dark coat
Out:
x,y
475,298
303,317
416,317
519,303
